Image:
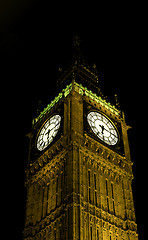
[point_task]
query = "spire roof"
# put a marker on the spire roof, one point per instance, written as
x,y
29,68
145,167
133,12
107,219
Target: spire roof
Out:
x,y
79,70
76,40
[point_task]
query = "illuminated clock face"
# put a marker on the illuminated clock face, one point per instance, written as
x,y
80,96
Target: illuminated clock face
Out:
x,y
102,127
48,132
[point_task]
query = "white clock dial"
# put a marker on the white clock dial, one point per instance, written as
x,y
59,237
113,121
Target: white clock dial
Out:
x,y
48,132
102,127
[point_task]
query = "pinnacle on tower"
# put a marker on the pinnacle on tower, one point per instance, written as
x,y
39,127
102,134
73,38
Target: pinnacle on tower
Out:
x,y
78,67
76,41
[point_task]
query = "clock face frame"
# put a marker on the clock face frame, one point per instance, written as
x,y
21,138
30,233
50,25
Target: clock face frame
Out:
x,y
103,127
48,132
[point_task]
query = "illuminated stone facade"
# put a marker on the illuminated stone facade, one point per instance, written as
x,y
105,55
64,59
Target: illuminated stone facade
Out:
x,y
79,188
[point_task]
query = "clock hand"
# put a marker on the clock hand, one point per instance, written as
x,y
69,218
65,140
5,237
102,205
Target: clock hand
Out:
x,y
53,127
102,128
48,132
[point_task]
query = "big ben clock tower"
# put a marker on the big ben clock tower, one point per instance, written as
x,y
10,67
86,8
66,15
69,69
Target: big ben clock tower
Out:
x,y
79,171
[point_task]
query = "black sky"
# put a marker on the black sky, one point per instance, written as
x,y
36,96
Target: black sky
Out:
x,y
35,39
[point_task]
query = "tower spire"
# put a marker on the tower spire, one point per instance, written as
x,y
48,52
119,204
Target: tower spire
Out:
x,y
76,41
77,53
84,73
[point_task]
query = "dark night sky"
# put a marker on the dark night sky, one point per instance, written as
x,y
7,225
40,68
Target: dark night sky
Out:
x,y
35,39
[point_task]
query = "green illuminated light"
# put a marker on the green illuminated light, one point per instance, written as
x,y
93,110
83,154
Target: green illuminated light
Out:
x,y
81,90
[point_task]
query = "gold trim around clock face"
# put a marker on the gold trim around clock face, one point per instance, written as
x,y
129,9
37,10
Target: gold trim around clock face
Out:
x,y
102,127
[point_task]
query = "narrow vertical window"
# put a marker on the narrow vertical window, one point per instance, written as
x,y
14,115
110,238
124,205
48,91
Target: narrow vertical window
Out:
x,y
89,178
95,181
42,202
64,172
61,188
107,196
47,199
97,234
112,191
113,198
57,192
106,189
91,235
124,198
114,207
95,198
89,192
107,204
57,185
89,196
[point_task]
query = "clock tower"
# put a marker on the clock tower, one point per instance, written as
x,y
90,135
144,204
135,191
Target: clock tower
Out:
x,y
79,173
